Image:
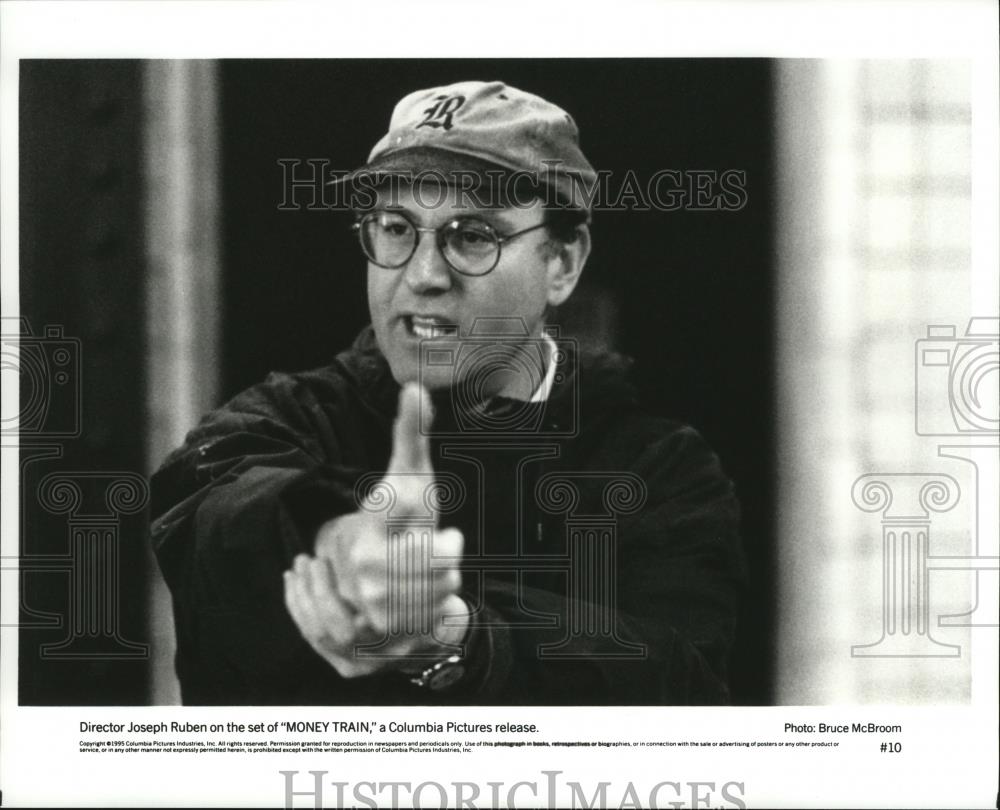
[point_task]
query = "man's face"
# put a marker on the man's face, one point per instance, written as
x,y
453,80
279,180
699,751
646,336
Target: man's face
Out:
x,y
413,303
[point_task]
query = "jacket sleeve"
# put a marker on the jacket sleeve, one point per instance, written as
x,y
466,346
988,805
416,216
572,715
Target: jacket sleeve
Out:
x,y
680,576
231,508
253,482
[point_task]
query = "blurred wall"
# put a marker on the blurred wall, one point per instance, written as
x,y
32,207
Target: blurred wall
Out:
x,y
875,249
181,173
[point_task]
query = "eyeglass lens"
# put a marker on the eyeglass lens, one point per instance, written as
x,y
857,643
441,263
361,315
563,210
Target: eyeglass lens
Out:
x,y
469,245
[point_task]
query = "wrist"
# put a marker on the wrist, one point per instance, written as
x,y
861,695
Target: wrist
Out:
x,y
448,663
453,625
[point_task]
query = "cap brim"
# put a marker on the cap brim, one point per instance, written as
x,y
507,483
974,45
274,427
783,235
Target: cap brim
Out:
x,y
427,164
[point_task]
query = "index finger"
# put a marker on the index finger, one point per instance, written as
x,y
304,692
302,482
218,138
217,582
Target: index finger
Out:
x,y
411,452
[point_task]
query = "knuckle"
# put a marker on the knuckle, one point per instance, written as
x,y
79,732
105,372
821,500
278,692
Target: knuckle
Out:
x,y
359,554
379,620
449,542
371,590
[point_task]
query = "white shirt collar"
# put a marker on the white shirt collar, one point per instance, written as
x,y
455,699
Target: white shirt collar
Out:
x,y
542,392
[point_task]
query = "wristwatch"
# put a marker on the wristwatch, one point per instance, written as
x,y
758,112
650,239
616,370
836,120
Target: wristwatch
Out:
x,y
441,674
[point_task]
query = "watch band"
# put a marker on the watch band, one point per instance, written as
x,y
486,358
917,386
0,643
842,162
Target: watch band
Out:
x,y
441,674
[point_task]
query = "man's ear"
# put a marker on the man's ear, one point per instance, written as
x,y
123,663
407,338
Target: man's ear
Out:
x,y
565,266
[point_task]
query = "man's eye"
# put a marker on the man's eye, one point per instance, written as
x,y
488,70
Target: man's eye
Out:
x,y
471,237
394,228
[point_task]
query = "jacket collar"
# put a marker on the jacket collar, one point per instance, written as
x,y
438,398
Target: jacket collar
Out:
x,y
595,383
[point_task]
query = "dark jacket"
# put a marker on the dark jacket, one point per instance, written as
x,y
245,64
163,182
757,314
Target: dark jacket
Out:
x,y
602,560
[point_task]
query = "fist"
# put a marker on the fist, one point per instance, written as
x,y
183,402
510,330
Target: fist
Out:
x,y
370,585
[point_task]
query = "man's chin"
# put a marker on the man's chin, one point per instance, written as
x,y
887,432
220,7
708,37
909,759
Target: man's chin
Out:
x,y
433,379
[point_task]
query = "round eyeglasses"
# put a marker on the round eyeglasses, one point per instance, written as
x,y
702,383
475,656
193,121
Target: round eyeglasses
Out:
x,y
470,245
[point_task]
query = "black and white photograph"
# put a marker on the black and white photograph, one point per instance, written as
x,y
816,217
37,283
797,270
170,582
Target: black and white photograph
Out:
x,y
412,426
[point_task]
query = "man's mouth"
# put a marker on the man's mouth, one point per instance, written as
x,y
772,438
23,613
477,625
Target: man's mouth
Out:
x,y
429,326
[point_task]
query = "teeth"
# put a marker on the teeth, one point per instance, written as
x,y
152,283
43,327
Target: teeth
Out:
x,y
430,327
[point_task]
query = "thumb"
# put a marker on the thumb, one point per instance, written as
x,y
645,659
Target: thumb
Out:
x,y
411,452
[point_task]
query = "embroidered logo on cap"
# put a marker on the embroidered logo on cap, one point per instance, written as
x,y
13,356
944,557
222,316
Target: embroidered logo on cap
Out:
x,y
439,114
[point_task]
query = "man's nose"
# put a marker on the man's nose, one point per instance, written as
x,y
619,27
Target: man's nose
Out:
x,y
427,271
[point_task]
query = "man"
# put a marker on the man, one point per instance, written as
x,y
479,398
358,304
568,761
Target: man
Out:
x,y
462,508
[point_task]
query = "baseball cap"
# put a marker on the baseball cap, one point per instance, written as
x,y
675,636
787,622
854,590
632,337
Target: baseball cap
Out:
x,y
484,127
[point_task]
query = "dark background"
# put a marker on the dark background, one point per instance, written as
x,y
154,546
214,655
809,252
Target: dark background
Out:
x,y
693,290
